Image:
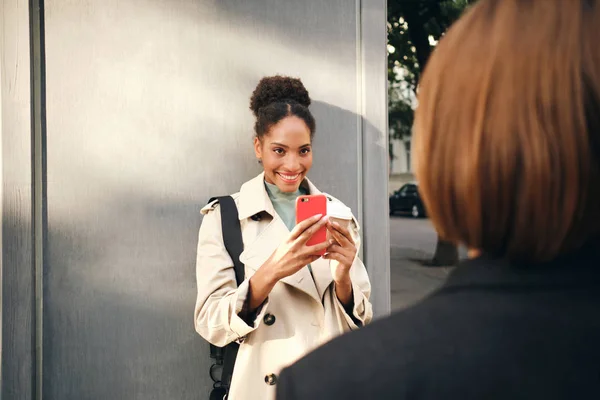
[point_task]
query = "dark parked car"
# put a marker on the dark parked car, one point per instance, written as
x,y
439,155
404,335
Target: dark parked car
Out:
x,y
407,199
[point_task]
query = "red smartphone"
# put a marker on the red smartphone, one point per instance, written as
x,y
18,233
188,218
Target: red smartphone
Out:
x,y
308,206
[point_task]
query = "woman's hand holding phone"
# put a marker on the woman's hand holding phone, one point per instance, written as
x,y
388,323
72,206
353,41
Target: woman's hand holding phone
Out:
x,y
341,253
294,253
291,256
343,250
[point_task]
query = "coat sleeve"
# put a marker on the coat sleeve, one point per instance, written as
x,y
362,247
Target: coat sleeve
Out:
x,y
219,299
362,312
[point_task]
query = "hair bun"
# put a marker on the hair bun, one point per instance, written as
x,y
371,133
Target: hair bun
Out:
x,y
276,88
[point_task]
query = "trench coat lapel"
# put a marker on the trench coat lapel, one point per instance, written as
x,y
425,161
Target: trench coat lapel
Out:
x,y
321,271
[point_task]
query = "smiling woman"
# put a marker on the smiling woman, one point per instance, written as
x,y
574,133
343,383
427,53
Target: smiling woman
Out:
x,y
286,153
292,300
284,130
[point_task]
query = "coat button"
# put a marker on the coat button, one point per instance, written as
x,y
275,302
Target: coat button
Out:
x,y
271,379
269,319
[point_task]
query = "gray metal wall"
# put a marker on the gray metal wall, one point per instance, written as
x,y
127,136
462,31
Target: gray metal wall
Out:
x,y
18,294
146,118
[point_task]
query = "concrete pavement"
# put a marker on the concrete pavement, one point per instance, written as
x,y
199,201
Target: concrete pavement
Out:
x,y
412,241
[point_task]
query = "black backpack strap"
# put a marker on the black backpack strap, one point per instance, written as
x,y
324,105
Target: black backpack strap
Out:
x,y
232,239
232,234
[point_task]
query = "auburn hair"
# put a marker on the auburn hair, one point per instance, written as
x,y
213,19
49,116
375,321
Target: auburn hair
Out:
x,y
507,130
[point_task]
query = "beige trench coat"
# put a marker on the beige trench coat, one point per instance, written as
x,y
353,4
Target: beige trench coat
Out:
x,y
299,314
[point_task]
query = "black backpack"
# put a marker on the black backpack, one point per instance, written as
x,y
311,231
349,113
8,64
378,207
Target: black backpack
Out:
x,y
224,357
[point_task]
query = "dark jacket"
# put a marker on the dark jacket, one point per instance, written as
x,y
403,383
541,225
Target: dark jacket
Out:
x,y
493,331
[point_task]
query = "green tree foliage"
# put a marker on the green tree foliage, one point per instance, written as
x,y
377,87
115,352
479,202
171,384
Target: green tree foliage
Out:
x,y
414,26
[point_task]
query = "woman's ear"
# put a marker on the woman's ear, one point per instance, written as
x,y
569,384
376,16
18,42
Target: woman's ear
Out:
x,y
257,148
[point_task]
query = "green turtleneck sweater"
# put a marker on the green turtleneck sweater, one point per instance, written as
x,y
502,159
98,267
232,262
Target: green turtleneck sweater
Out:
x,y
284,203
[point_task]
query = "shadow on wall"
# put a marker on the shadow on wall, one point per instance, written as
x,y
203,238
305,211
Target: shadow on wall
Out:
x,y
17,316
338,137
118,305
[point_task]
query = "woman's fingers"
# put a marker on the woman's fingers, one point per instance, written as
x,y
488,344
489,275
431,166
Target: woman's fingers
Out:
x,y
304,225
305,261
336,248
318,248
342,230
336,256
345,255
311,254
311,230
340,237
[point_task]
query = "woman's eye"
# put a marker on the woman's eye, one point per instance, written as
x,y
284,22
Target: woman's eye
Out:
x,y
278,151
304,151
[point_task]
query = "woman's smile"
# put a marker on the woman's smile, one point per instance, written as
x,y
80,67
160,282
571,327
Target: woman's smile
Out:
x,y
289,178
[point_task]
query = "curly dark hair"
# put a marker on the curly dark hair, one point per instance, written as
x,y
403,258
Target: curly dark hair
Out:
x,y
277,97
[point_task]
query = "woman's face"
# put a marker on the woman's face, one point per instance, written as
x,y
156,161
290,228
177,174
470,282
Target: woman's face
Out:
x,y
286,153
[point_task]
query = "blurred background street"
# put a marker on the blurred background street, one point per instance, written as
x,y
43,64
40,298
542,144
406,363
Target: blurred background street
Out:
x,y
413,242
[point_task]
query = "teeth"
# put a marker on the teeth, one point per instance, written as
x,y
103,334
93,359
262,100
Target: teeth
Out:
x,y
290,177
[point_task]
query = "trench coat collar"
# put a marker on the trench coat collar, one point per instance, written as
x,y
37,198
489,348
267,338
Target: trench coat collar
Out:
x,y
578,269
255,199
